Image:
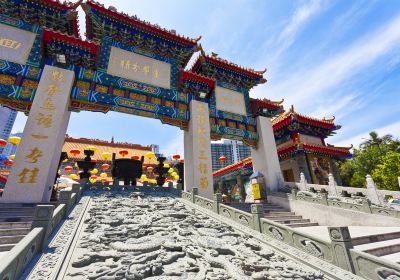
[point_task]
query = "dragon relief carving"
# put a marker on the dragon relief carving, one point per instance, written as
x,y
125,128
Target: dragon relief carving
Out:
x,y
126,236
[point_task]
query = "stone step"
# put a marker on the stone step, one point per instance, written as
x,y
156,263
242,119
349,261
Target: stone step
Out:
x,y
375,238
17,210
6,247
295,225
274,209
395,258
9,225
273,213
381,248
17,205
288,222
14,231
286,218
7,214
281,217
13,239
16,219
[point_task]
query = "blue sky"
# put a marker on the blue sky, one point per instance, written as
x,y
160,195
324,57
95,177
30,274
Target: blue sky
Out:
x,y
338,58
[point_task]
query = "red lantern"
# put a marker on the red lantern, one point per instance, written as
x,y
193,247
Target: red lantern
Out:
x,y
3,142
68,168
93,177
222,158
105,166
8,162
123,152
176,157
150,169
93,160
145,164
135,157
75,152
182,161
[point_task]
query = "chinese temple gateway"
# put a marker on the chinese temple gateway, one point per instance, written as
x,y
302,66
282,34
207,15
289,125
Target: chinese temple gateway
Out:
x,y
300,142
125,65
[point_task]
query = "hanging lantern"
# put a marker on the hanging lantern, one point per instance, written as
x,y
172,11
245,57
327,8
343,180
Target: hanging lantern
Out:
x,y
176,157
103,175
170,170
145,164
143,178
12,157
76,165
8,162
106,156
74,177
173,174
105,166
153,181
3,142
222,158
149,169
75,152
182,161
91,148
65,160
135,157
93,160
94,171
93,180
166,165
68,168
150,155
14,140
123,153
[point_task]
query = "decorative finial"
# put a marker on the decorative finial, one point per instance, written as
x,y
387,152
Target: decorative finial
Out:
x,y
292,109
213,54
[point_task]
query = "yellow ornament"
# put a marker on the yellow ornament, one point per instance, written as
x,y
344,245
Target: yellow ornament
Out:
x,y
92,181
94,171
76,165
103,175
65,160
12,157
91,148
74,177
170,170
166,165
173,174
14,140
150,155
143,177
106,156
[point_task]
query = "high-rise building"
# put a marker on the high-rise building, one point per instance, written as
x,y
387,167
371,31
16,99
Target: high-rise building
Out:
x,y
234,151
11,149
7,119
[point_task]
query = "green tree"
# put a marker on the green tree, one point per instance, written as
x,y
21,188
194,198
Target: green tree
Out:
x,y
386,173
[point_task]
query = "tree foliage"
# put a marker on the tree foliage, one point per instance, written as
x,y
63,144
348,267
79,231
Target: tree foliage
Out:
x,y
377,156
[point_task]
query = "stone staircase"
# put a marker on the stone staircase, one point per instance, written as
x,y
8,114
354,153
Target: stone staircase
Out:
x,y
385,245
15,223
277,214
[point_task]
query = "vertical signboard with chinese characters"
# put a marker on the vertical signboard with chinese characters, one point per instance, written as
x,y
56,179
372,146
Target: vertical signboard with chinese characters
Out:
x,y
36,162
198,168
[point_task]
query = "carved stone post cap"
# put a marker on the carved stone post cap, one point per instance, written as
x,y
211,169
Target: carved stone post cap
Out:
x,y
64,195
257,208
218,197
339,234
44,212
195,191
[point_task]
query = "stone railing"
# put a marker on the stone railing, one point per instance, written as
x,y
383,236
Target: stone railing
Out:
x,y
21,254
375,195
364,204
338,250
46,218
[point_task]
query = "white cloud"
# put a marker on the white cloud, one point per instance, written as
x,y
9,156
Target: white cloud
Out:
x,y
393,129
306,86
174,146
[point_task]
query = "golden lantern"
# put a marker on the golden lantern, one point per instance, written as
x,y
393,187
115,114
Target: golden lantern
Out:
x,y
166,165
143,178
76,164
149,155
74,177
170,170
173,174
103,175
14,140
106,156
12,157
65,160
94,171
91,148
